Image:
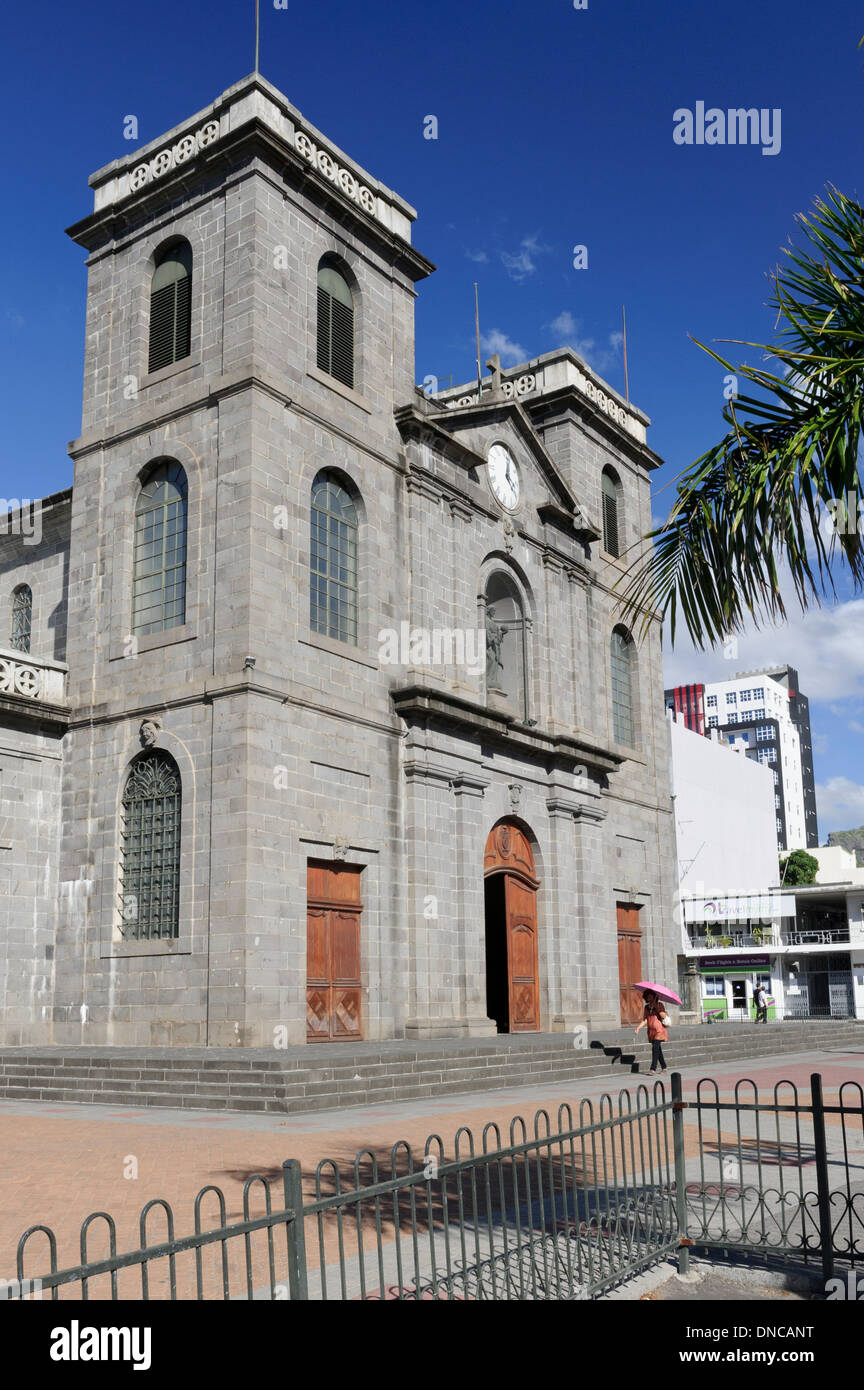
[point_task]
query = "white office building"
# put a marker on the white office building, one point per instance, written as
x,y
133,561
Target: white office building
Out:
x,y
768,717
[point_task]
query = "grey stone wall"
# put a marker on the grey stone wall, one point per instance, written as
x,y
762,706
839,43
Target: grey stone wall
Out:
x,y
288,744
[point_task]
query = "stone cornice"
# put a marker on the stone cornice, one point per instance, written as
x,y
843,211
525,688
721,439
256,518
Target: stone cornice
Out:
x,y
566,400
35,712
252,118
563,808
423,704
203,397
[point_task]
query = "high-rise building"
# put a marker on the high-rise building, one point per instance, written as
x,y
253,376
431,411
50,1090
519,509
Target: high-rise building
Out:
x,y
687,703
766,712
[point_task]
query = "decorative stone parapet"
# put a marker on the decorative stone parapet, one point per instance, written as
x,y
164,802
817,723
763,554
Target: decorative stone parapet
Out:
x,y
30,679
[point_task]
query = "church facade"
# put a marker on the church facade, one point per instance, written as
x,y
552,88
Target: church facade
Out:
x,y
317,720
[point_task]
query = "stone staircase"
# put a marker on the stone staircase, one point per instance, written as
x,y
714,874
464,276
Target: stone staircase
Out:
x,y
345,1074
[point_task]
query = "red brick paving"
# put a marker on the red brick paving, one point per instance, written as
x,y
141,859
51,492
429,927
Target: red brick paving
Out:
x,y
60,1164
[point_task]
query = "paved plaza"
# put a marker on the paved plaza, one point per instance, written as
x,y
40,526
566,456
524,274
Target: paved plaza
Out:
x,y
66,1161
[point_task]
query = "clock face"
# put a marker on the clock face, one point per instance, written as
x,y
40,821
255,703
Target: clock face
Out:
x,y
503,476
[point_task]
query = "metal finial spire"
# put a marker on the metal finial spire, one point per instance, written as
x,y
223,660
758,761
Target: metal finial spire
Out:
x,y
257,32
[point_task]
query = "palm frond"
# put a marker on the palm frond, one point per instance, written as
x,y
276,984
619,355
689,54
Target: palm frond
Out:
x,y
792,447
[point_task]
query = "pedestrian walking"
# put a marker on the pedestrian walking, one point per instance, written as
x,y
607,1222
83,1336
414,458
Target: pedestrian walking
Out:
x,y
655,1020
760,999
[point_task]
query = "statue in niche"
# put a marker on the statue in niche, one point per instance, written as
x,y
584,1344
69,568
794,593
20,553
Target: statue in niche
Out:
x,y
494,640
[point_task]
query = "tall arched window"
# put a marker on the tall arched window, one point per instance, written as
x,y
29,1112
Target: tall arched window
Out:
x,y
22,617
150,849
335,324
333,560
171,307
159,583
611,513
506,644
621,660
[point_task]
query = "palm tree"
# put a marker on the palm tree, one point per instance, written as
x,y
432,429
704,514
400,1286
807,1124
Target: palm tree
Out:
x,y
789,458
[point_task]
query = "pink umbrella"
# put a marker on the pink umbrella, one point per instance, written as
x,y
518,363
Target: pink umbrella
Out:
x,y
660,990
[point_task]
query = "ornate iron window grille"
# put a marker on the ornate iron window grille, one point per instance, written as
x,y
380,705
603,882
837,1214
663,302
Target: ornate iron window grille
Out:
x,y
150,850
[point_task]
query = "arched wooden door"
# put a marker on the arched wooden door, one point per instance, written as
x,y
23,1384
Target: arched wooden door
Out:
x,y
513,977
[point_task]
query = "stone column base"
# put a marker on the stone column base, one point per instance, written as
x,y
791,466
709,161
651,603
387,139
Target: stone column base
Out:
x,y
450,1028
685,1017
567,1023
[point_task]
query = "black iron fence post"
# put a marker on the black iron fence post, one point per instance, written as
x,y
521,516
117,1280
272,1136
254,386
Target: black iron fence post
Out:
x,y
292,1176
820,1147
679,1105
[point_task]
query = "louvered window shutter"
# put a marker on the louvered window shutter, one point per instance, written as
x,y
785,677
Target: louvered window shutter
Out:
x,y
335,326
610,525
171,309
323,330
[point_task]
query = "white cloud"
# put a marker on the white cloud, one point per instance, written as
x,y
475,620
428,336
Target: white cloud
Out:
x,y
564,326
476,255
840,805
509,352
826,646
523,263
566,329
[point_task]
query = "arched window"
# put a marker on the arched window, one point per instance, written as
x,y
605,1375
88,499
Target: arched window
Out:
x,y
22,617
171,307
611,513
150,849
333,560
621,660
335,325
159,583
506,644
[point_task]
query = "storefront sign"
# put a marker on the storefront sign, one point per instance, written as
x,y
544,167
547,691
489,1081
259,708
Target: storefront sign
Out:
x,y
749,907
725,963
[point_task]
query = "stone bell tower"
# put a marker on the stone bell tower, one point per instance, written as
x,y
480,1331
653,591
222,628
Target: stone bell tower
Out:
x,y
206,415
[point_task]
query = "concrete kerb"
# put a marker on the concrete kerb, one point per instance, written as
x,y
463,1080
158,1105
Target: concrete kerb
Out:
x,y
735,1268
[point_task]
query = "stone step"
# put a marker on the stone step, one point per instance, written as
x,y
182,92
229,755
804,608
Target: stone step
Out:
x,y
304,1079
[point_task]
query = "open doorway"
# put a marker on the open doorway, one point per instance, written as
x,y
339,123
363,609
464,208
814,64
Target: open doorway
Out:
x,y
497,974
510,895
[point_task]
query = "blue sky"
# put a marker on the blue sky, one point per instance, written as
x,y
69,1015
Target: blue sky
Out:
x,y
554,130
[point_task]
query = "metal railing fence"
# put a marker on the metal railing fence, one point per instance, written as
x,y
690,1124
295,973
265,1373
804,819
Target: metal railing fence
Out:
x,y
559,1211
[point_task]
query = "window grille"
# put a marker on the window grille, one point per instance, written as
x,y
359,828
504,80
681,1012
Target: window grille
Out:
x,y
150,850
22,617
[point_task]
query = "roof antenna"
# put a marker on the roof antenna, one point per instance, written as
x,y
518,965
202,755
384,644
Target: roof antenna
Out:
x,y
477,329
624,339
257,30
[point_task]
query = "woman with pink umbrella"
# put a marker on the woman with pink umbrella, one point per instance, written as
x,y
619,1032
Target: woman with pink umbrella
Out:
x,y
655,1019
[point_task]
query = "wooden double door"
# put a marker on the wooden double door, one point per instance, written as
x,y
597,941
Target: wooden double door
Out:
x,y
629,962
333,983
512,971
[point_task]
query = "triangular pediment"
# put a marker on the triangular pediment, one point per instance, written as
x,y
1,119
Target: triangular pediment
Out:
x,y
475,427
